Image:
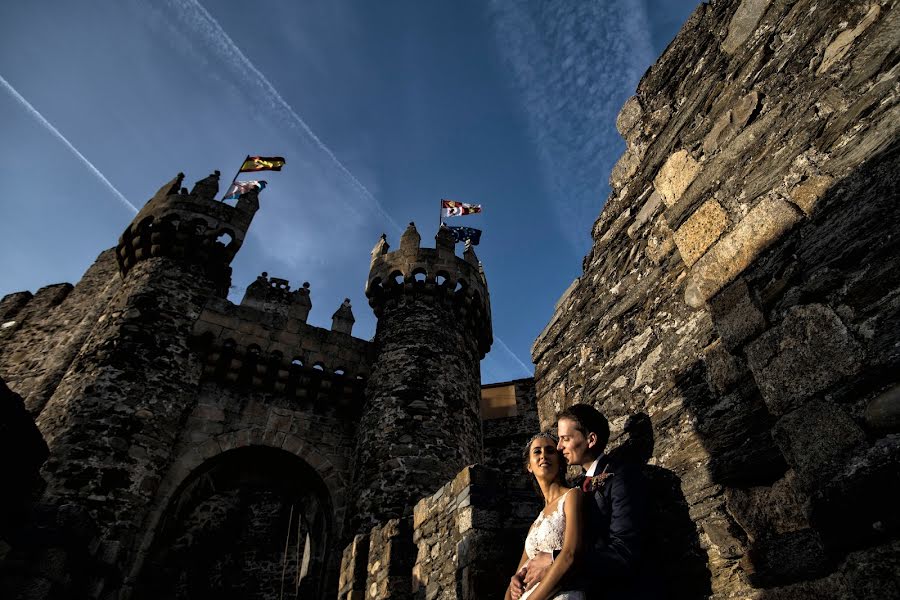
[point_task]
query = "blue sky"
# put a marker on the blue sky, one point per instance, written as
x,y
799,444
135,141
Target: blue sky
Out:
x,y
381,109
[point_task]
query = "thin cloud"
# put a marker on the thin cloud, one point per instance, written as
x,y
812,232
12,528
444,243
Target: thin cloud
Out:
x,y
221,42
49,127
216,38
574,64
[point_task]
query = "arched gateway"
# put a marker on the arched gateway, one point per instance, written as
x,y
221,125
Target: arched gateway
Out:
x,y
253,522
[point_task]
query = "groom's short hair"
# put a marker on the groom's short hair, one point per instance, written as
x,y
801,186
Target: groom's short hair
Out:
x,y
587,419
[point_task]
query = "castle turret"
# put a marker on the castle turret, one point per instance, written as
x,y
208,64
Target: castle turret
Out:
x,y
421,422
193,228
112,422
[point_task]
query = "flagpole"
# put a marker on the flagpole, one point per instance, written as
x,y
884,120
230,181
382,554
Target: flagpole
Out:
x,y
235,177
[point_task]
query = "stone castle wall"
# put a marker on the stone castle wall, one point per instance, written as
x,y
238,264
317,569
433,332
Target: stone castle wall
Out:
x,y
458,544
742,291
421,423
41,334
505,437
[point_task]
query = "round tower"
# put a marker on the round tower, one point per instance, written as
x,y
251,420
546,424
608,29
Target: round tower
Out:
x,y
114,419
421,422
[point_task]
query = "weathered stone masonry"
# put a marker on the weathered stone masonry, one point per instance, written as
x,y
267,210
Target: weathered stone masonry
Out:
x,y
188,433
737,320
742,291
421,424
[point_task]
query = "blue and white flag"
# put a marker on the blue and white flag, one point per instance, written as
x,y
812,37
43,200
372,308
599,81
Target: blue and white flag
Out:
x,y
242,187
463,234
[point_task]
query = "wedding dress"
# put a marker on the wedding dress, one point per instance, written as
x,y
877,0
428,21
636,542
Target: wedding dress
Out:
x,y
546,535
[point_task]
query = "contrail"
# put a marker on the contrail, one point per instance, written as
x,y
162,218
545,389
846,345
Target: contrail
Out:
x,y
503,345
220,38
238,56
49,126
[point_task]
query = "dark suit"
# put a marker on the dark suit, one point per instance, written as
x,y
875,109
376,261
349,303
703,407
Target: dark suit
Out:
x,y
615,523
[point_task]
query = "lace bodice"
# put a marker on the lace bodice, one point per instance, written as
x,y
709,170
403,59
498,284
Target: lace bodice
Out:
x,y
546,535
547,532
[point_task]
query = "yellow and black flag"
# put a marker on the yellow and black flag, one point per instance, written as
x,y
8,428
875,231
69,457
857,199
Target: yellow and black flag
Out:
x,y
262,163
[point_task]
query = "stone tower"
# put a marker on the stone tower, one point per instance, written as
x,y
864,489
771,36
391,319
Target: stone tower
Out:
x,y
421,421
114,417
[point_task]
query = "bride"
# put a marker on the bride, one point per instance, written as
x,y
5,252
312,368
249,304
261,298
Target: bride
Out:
x,y
556,528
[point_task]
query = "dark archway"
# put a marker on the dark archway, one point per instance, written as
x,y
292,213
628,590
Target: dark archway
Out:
x,y
254,522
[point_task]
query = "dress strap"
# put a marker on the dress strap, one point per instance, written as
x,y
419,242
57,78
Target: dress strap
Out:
x,y
563,499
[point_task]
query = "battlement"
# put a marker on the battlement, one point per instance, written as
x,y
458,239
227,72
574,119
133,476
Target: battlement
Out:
x,y
248,346
436,273
274,295
191,226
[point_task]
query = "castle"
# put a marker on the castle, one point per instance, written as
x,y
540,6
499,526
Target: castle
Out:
x,y
737,320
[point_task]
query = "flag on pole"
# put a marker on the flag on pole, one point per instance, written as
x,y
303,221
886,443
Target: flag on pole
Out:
x,y
262,163
451,208
462,234
242,187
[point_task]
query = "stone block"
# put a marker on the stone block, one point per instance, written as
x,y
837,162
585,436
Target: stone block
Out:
x,y
723,369
786,558
660,242
649,208
700,231
858,506
209,413
722,534
729,123
674,177
769,511
883,412
743,23
764,224
818,440
736,314
629,116
625,168
808,352
869,574
842,43
808,192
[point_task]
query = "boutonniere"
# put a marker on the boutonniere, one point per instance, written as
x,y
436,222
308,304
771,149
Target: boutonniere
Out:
x,y
592,484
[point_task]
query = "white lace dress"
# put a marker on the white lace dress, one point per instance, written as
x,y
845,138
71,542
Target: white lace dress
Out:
x,y
546,535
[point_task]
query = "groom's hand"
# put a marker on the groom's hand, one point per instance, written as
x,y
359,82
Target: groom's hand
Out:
x,y
537,567
517,584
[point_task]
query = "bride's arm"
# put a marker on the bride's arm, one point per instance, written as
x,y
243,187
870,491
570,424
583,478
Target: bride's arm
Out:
x,y
571,546
512,579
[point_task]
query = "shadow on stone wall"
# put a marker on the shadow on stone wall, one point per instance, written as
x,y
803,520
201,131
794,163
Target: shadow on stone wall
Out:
x,y
802,472
674,560
46,550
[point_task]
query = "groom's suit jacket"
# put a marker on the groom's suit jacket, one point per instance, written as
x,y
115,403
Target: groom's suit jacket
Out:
x,y
615,524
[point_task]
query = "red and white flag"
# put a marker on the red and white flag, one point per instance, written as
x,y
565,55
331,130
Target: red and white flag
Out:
x,y
452,208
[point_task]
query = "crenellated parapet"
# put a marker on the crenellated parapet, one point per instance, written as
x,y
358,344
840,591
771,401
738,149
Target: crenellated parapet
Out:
x,y
246,346
272,294
194,227
457,283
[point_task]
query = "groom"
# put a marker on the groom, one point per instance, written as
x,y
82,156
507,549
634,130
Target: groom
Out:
x,y
615,523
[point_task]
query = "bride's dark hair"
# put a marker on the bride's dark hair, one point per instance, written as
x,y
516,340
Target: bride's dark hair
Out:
x,y
526,457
